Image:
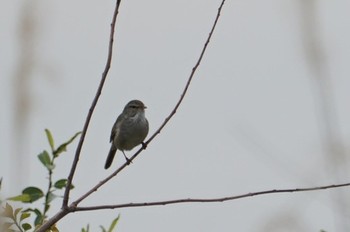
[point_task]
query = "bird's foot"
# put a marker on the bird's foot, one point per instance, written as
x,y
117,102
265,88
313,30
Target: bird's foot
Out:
x,y
128,161
144,145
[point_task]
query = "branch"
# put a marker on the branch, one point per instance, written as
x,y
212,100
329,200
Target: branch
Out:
x,y
65,209
92,108
73,206
96,187
191,75
203,200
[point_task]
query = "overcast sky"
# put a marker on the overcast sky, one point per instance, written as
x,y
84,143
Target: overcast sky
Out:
x,y
268,108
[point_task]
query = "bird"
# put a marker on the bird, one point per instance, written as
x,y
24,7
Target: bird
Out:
x,y
129,130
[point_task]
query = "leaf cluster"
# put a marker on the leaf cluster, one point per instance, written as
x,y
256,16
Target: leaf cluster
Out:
x,y
13,219
18,219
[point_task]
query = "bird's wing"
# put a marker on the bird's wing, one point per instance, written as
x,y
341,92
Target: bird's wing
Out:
x,y
116,127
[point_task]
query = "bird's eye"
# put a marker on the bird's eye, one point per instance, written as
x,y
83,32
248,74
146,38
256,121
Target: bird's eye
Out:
x,y
134,107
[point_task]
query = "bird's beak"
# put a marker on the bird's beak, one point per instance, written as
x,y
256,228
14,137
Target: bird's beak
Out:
x,y
145,107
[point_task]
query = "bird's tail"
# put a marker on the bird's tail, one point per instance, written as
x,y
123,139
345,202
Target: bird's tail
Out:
x,y
110,157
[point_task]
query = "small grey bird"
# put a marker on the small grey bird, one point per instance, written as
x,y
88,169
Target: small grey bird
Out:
x,y
130,129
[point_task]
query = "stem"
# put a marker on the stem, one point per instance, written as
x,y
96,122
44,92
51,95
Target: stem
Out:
x,y
207,200
75,203
49,188
92,108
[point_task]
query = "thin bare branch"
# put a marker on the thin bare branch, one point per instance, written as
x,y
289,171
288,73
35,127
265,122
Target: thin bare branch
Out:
x,y
72,207
65,209
93,105
206,200
75,203
191,75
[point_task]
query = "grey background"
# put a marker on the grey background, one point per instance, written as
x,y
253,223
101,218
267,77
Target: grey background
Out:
x,y
267,109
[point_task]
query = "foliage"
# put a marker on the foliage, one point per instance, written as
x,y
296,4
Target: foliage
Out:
x,y
112,226
110,229
18,219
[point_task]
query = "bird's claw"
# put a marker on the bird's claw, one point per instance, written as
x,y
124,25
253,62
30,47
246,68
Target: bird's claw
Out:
x,y
128,161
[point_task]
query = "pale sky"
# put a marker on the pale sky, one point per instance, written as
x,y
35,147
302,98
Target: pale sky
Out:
x,y
251,121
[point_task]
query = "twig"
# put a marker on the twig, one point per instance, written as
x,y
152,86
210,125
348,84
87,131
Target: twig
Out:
x,y
203,200
95,188
93,105
191,75
49,189
73,206
65,209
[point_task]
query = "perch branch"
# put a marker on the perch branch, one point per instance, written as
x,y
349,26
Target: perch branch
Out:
x,y
92,107
206,200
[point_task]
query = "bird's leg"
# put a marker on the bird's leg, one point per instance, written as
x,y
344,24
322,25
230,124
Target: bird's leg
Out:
x,y
128,161
144,145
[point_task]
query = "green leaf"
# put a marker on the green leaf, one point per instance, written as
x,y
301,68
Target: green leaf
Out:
x,y
34,193
26,226
28,195
103,229
63,147
87,228
50,139
51,197
39,217
24,216
25,198
60,184
45,159
113,224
